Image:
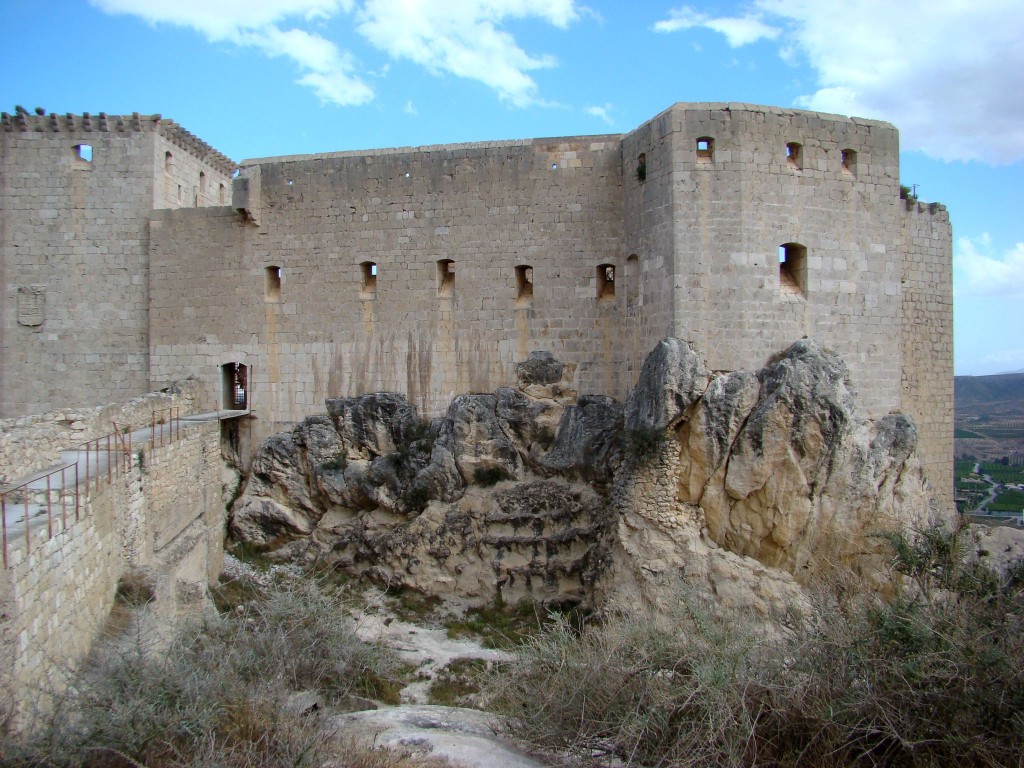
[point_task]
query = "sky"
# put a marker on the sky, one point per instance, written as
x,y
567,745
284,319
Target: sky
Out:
x,y
260,78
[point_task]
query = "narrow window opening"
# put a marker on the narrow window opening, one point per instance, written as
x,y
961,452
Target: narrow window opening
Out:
x,y
168,162
235,386
849,160
794,155
524,285
554,166
83,153
222,195
606,281
641,167
633,280
369,270
202,183
273,284
180,192
793,268
705,148
445,277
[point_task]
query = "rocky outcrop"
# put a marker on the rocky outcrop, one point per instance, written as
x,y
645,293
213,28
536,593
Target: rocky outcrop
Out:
x,y
746,484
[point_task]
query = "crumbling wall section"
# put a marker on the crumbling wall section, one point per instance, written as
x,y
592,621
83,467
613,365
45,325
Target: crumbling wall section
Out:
x,y
927,337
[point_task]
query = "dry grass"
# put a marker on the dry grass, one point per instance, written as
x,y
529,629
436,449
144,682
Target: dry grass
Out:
x,y
933,677
216,696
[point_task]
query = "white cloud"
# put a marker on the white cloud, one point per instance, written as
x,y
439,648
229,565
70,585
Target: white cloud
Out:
x,y
258,23
1005,360
947,74
979,272
463,38
601,112
738,30
460,37
410,108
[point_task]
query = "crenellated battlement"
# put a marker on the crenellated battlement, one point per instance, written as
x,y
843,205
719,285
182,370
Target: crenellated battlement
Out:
x,y
912,205
69,122
24,122
188,141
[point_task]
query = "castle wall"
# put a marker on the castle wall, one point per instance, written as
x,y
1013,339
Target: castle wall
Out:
x,y
734,205
927,338
188,173
74,228
554,206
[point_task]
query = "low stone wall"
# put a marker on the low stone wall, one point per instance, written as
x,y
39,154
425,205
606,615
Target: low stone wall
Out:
x,y
29,443
162,519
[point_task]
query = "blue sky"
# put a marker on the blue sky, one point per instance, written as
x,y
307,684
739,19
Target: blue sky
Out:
x,y
257,78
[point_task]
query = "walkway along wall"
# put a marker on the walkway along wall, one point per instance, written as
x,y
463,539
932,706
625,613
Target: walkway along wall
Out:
x,y
163,518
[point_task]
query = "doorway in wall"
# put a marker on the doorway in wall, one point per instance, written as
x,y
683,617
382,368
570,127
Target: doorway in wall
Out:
x,y
235,387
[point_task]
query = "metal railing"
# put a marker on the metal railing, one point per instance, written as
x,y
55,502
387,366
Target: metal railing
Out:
x,y
165,421
28,497
106,457
116,446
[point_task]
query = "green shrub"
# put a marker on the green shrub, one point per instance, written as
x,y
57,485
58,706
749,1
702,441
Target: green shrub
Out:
x,y
338,463
645,442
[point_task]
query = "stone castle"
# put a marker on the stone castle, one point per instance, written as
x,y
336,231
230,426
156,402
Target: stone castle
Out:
x,y
133,255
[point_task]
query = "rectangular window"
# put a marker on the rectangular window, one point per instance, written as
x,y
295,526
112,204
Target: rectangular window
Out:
x,y
273,284
445,277
369,271
606,281
524,286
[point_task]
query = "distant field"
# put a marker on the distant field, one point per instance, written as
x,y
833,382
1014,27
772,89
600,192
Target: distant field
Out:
x,y
966,433
962,469
1002,474
1008,501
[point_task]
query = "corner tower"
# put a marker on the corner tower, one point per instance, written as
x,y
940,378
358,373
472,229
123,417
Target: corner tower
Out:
x,y
76,194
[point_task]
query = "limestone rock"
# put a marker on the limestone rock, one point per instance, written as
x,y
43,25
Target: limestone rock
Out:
x,y
372,425
589,444
745,486
474,435
673,377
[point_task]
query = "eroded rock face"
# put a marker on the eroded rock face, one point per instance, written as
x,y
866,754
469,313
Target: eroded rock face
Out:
x,y
745,484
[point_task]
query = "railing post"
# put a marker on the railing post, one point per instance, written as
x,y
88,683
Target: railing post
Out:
x,y
49,512
3,517
76,489
63,507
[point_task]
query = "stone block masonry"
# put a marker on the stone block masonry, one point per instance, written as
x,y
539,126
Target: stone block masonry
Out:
x,y
431,271
164,517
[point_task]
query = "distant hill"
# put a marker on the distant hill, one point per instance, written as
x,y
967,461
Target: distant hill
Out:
x,y
1001,395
